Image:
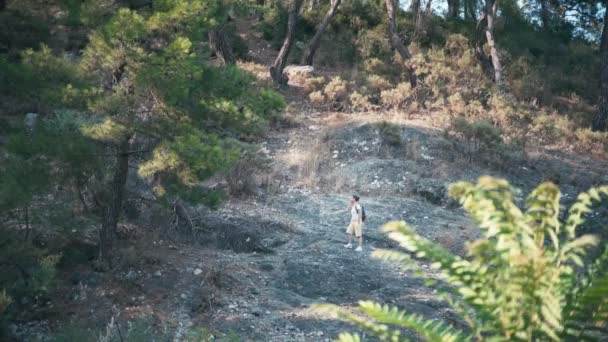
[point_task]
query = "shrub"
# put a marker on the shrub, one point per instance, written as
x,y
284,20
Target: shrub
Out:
x,y
377,83
5,301
390,134
241,177
518,281
44,278
396,97
544,128
359,101
336,90
479,135
317,97
312,84
374,66
590,140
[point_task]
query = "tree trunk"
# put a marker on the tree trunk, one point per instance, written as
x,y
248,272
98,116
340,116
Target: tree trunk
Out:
x,y
544,14
113,207
220,45
316,40
398,44
276,70
312,4
479,40
470,7
2,5
600,121
453,8
415,6
490,14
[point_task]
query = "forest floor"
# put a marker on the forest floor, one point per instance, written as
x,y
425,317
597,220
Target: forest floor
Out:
x,y
264,259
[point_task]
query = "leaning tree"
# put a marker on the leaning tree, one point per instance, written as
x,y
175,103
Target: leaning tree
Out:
x,y
276,70
316,39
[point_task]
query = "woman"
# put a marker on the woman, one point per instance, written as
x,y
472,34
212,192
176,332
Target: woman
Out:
x,y
356,223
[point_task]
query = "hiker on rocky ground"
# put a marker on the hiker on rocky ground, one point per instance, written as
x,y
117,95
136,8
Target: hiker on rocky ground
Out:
x,y
357,216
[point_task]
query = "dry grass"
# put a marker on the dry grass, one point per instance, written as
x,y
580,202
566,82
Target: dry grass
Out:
x,y
259,70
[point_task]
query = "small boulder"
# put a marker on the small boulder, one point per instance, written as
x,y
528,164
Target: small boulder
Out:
x,y
299,70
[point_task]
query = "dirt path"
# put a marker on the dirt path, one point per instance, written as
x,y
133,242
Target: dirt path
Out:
x,y
267,296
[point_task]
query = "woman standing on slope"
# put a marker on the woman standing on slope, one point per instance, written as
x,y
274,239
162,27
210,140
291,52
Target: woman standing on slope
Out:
x,y
356,223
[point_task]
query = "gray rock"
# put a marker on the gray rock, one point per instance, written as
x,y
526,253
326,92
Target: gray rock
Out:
x,y
300,70
30,121
132,275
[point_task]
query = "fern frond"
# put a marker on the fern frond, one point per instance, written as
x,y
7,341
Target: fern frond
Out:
x,y
402,233
543,213
587,309
380,331
346,337
582,206
430,330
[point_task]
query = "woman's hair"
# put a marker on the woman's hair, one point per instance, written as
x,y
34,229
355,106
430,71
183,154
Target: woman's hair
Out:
x,y
356,198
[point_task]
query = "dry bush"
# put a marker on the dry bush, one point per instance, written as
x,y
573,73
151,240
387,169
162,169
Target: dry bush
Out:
x,y
312,84
360,102
316,155
241,178
336,90
287,120
317,97
377,83
375,66
271,182
589,140
397,97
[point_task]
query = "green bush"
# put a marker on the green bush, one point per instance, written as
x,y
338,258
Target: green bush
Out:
x,y
241,177
390,134
520,281
479,136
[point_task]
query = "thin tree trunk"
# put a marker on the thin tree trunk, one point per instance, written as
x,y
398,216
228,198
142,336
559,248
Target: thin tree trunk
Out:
x,y
312,4
453,8
276,70
490,14
600,121
220,45
479,41
415,6
316,40
427,11
415,9
2,5
113,209
470,11
398,44
544,14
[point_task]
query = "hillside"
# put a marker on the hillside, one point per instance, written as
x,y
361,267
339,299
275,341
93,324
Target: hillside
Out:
x,y
237,232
